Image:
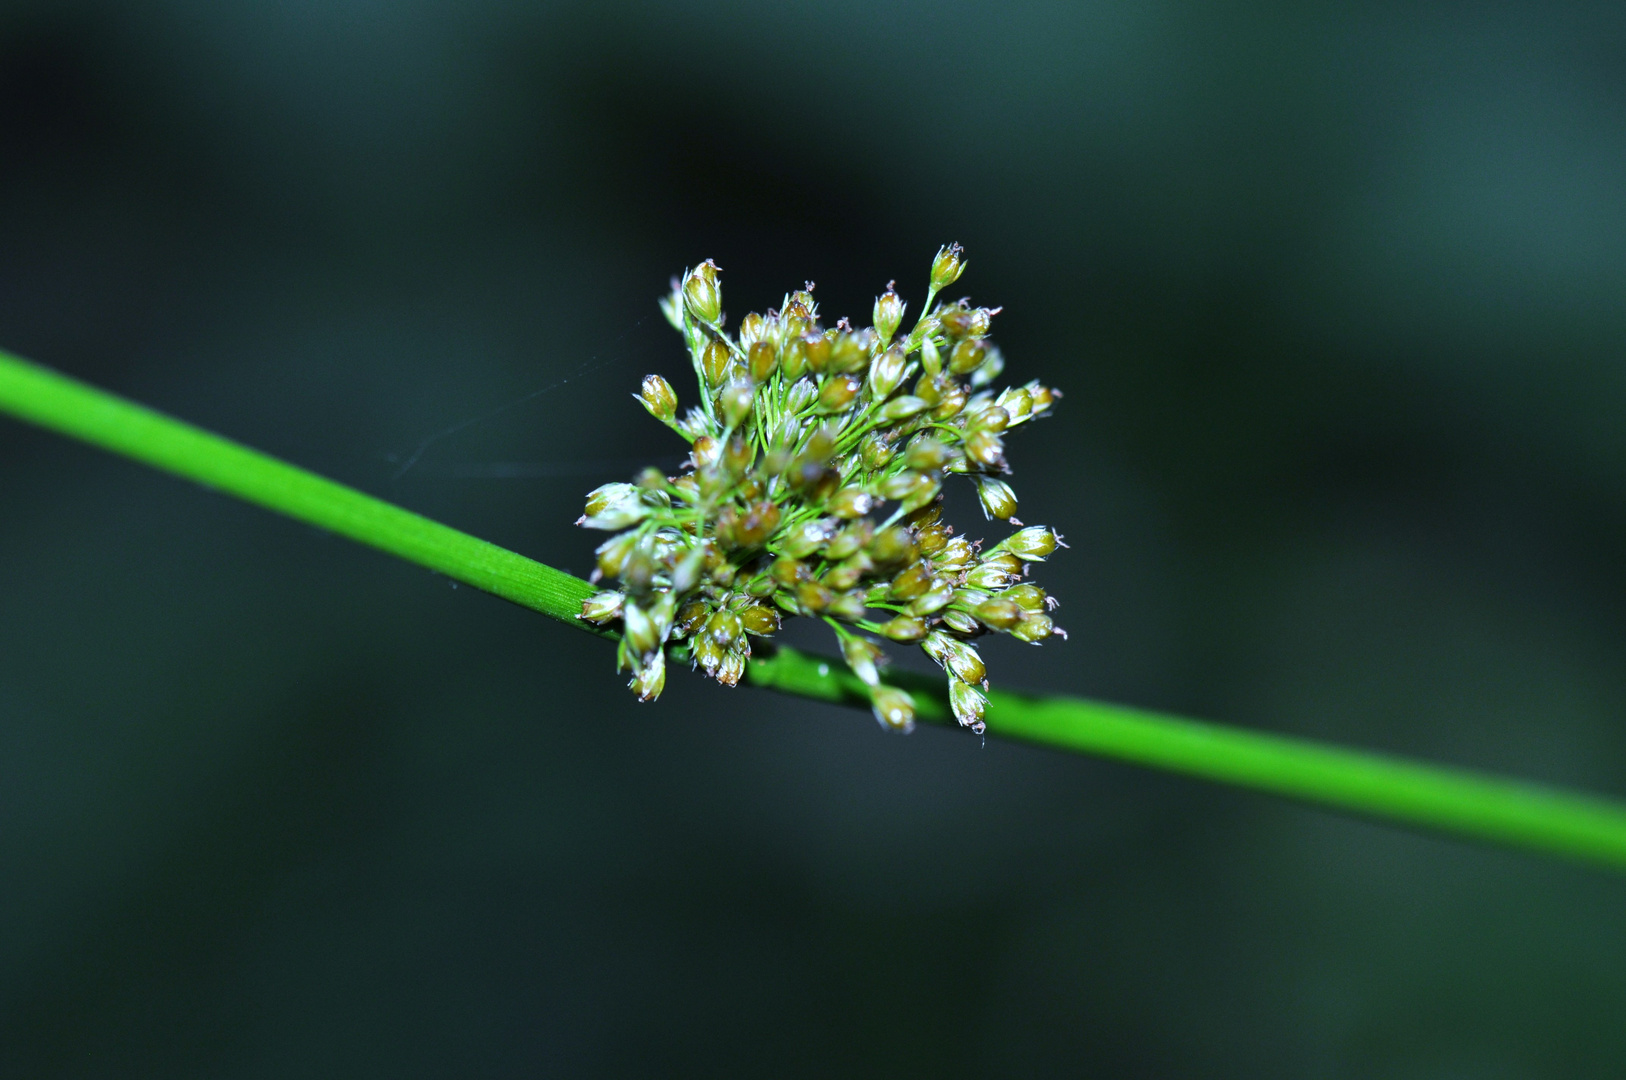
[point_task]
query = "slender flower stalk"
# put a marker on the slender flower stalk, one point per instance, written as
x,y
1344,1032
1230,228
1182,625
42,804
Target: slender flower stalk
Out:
x,y
1456,801
813,488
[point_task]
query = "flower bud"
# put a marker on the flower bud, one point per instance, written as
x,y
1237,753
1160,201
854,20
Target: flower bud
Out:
x,y
947,267
614,553
1028,597
708,654
762,360
813,597
931,361
934,599
690,618
793,362
984,449
996,496
914,581
956,555
849,353
888,315
926,453
614,506
650,677
602,607
894,708
901,408
807,538
1042,397
967,356
851,539
875,451
913,489
953,401
998,613
1033,628
732,669
838,392
969,705
703,295
802,394
759,620
1032,544
960,622
989,418
861,656
1017,403
886,373
904,628
849,606
737,456
989,576
892,545
818,351
705,451
724,628
788,571
639,630
850,502
753,328
735,403
714,362
959,659
659,398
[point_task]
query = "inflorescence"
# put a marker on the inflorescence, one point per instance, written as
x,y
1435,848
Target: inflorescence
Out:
x,y
802,438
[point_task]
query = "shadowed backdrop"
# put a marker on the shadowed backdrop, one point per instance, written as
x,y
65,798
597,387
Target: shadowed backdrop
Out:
x,y
1335,297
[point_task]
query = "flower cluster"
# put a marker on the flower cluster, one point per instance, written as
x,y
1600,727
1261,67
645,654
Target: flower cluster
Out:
x,y
813,488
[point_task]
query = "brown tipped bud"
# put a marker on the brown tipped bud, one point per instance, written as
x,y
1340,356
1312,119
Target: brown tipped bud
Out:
x,y
838,392
862,656
732,669
886,373
892,546
967,356
793,362
996,496
714,362
894,708
650,678
889,308
762,360
1034,628
659,398
818,353
614,506
851,539
705,451
955,323
927,453
875,451
901,408
703,295
813,597
998,614
904,628
850,502
989,418
758,620
934,599
969,705
914,581
933,538
947,267
1032,544
959,659
602,607
931,360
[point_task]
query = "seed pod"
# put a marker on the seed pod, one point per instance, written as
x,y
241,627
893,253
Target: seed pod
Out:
x,y
650,678
818,353
931,360
714,362
934,599
894,708
788,572
966,357
705,451
757,524
892,545
989,418
724,627
708,654
687,572
861,656
1032,544
803,393
1005,561
813,597
927,453
930,388
735,403
761,586
807,538
1017,403
913,489
1033,628
602,607
959,659
850,539
875,451
614,506
956,322
759,620
762,360
732,668
996,496
688,488
1028,597
969,705
690,618
998,614
614,553
850,502
845,574
960,622
955,556
1042,397
989,576
793,362
954,397
947,267
639,630
886,373
933,539
901,408
849,353
914,581
888,314
702,294
753,328
838,392
904,628
991,368
659,398
849,606
737,456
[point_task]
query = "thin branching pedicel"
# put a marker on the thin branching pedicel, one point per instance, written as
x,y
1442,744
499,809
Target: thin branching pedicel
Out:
x,y
803,438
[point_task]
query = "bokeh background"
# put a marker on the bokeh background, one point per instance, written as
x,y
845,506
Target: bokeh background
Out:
x,y
1335,293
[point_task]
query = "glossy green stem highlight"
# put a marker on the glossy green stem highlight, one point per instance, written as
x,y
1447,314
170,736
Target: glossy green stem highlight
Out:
x,y
1451,800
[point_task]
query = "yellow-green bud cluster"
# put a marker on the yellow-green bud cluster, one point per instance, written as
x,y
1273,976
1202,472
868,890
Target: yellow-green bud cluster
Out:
x,y
813,487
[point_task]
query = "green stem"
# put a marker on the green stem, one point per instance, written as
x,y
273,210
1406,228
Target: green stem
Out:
x,y
1451,800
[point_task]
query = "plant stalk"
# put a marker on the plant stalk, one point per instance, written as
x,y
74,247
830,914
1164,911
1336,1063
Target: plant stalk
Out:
x,y
1458,801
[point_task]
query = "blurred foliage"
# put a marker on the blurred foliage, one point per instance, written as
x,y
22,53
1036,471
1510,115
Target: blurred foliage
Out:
x,y
1335,298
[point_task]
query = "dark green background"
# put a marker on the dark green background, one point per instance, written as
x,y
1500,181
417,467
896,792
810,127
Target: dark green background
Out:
x,y
1338,298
